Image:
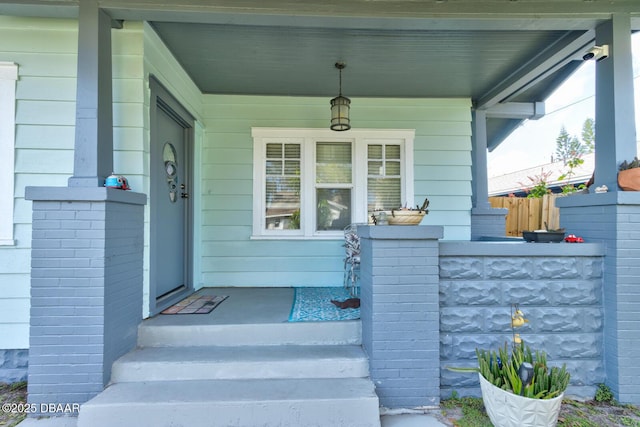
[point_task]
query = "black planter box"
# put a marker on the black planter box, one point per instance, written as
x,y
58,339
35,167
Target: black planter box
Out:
x,y
543,237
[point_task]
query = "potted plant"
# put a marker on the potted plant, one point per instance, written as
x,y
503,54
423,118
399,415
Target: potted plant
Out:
x,y
629,175
518,388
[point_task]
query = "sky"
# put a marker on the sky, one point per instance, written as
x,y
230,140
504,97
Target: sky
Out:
x,y
534,142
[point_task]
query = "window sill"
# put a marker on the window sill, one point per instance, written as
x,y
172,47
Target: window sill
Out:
x,y
315,237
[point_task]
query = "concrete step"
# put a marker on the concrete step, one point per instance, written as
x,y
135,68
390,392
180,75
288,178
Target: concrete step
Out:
x,y
285,333
275,402
204,363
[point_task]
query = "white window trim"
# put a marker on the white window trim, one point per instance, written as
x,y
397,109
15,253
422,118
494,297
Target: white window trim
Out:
x,y
8,78
360,138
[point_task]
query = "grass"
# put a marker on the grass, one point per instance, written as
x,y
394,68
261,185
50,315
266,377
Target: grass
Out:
x,y
13,395
469,412
456,411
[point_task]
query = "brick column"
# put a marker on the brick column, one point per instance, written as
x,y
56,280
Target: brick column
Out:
x,y
400,312
86,289
613,219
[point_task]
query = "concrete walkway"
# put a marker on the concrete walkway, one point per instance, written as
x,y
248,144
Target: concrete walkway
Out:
x,y
404,420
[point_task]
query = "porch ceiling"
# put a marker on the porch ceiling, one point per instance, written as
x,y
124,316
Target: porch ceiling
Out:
x,y
385,58
491,51
299,61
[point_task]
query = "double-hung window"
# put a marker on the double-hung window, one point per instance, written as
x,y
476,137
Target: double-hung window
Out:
x,y
312,183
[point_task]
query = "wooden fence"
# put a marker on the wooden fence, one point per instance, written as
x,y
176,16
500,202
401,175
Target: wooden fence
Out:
x,y
528,214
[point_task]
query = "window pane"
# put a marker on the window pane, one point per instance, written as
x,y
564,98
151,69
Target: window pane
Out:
x,y
392,152
383,194
282,203
383,184
374,151
333,209
375,168
282,187
333,162
274,167
292,151
274,151
291,167
393,168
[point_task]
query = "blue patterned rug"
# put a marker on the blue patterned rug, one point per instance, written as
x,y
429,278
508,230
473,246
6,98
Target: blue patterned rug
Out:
x,y
314,305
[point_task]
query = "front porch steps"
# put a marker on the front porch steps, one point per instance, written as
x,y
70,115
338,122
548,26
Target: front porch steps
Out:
x,y
302,333
223,363
279,374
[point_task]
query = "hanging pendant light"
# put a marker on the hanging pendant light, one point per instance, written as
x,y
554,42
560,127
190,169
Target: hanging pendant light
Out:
x,y
340,106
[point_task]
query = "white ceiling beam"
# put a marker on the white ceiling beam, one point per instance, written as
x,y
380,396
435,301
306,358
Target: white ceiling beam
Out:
x,y
517,110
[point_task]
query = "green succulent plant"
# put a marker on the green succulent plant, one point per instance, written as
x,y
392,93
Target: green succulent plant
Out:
x,y
501,369
635,163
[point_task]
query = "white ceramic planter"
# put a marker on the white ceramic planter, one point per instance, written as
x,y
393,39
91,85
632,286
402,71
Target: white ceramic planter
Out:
x,y
509,410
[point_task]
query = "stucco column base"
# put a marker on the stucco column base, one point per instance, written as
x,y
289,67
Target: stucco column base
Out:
x,y
400,312
613,219
86,291
488,222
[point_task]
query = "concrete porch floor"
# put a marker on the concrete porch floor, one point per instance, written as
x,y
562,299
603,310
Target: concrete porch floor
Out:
x,y
243,306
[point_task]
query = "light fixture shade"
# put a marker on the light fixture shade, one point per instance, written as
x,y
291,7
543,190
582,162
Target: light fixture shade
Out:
x,y
340,113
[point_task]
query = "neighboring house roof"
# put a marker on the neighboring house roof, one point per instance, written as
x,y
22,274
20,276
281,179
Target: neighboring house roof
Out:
x,y
516,182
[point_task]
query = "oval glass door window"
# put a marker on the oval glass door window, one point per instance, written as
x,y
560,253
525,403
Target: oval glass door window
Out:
x,y
171,169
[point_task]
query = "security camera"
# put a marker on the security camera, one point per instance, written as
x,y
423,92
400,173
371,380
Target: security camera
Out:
x,y
597,52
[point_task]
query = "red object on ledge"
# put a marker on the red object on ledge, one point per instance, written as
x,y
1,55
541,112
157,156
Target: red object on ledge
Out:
x,y
572,238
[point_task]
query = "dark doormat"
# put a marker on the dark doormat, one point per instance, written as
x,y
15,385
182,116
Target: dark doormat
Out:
x,y
196,304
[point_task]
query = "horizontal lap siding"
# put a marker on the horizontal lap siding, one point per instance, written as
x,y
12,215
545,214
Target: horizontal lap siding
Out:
x,y
45,51
229,256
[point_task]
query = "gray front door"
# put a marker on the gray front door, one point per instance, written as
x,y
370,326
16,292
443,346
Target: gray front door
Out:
x,y
170,240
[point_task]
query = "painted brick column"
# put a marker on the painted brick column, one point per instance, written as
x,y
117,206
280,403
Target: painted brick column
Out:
x,y
614,219
400,312
86,289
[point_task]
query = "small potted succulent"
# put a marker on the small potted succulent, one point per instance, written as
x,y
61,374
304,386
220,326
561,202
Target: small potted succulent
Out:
x,y
629,175
518,388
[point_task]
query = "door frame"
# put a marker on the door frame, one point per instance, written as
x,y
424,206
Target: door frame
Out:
x,y
163,99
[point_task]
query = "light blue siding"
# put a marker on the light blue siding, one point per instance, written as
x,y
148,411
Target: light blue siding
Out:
x,y
230,258
45,114
45,51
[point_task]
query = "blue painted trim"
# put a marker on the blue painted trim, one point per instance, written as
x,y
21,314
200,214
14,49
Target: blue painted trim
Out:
x,y
600,199
520,248
84,194
400,232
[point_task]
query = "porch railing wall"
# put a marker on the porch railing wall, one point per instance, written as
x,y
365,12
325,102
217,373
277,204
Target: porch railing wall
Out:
x,y
559,288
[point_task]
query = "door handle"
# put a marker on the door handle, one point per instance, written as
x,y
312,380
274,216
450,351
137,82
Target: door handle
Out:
x,y
184,195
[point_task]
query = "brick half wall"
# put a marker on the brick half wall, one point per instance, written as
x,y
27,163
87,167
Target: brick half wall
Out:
x,y
86,289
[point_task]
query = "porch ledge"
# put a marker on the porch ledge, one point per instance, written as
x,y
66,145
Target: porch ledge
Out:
x,y
401,232
520,248
599,199
84,194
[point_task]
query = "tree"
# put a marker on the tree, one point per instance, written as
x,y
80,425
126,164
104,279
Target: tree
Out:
x,y
568,147
589,134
